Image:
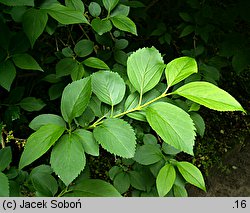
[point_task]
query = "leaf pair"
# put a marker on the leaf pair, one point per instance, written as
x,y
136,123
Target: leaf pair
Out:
x,y
167,176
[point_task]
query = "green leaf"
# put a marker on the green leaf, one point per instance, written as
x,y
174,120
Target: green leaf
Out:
x,y
121,57
66,66
169,150
178,131
88,141
191,174
95,63
75,4
68,158
31,104
65,15
108,86
45,184
137,180
34,23
121,44
45,119
148,154
5,157
124,23
145,67
4,185
84,47
180,191
115,170
18,2
43,181
7,74
121,9
179,69
101,26
110,4
78,73
94,9
198,122
122,182
93,188
187,30
117,137
26,61
210,96
165,179
39,143
55,91
75,98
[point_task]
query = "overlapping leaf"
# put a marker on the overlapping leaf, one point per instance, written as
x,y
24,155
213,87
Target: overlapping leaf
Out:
x,y
108,86
75,98
210,96
39,143
68,158
117,137
145,67
173,125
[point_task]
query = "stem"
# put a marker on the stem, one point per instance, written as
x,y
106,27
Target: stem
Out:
x,y
64,191
139,107
84,32
112,111
99,121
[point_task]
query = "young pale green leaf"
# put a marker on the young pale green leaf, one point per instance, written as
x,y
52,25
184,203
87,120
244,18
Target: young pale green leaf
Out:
x,y
75,98
117,137
101,26
5,157
66,66
124,23
148,154
26,61
18,3
84,47
4,185
179,69
198,122
88,141
45,119
178,131
39,143
122,182
7,74
95,9
191,174
210,96
110,4
31,104
165,179
65,15
75,4
93,188
108,86
34,22
95,63
68,158
145,67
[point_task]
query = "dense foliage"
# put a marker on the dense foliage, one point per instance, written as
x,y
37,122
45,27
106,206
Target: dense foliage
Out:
x,y
82,80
